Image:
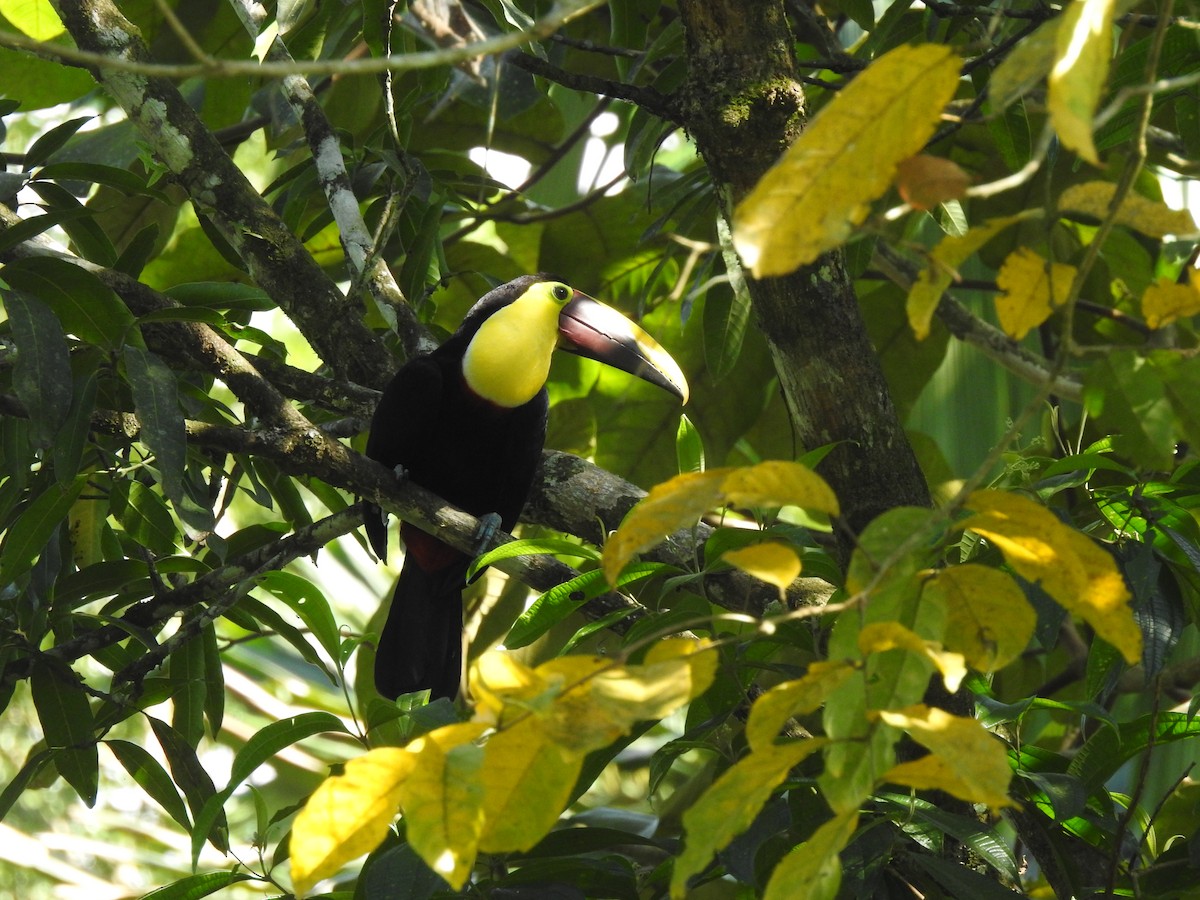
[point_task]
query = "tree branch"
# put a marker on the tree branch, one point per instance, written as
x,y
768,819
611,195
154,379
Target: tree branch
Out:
x,y
276,259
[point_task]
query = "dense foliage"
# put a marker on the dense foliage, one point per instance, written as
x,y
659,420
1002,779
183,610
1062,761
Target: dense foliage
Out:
x,y
223,225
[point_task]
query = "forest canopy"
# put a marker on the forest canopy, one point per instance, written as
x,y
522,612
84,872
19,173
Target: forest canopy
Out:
x,y
903,602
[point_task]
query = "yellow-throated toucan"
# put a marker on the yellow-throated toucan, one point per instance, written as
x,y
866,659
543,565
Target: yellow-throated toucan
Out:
x,y
468,422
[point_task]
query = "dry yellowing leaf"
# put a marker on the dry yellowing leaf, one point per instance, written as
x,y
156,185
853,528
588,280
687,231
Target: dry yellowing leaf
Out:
x,y
730,805
988,619
1031,289
965,759
527,781
1165,301
878,637
812,199
925,181
1083,46
347,815
771,561
442,800
793,698
944,261
681,501
1153,219
1072,569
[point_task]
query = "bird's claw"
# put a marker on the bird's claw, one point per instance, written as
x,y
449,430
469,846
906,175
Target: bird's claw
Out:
x,y
485,531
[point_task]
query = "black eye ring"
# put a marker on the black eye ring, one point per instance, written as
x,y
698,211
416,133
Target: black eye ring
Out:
x,y
561,292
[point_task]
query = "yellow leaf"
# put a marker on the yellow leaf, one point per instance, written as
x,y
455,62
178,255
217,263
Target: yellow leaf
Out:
x,y
681,501
771,561
926,181
1029,62
1029,295
777,483
442,800
1165,301
731,804
879,637
965,759
347,815
527,783
674,504
499,680
1153,219
793,698
988,619
944,262
811,200
1083,46
87,520
610,702
1070,567
814,869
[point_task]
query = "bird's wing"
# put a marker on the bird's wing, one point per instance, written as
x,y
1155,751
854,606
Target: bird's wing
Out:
x,y
409,403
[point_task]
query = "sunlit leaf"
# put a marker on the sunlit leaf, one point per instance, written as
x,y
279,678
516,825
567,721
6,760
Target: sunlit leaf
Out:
x,y
772,561
1153,219
681,501
988,619
965,759
944,261
1165,301
793,698
1031,289
347,815
731,804
442,799
822,187
1069,566
814,869
1083,47
527,781
879,637
36,18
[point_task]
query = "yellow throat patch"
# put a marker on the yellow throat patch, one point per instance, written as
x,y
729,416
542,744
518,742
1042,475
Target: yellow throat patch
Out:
x,y
508,359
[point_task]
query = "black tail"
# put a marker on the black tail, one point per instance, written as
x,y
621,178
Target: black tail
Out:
x,y
421,644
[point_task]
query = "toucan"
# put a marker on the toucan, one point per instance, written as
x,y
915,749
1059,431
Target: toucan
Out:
x,y
468,422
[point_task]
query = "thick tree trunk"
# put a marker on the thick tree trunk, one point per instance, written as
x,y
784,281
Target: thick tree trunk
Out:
x,y
743,107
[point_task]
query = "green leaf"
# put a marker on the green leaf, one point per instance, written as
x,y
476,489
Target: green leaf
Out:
x,y
86,235
54,139
66,717
186,672
306,600
42,376
29,770
260,748
190,776
86,307
689,446
1108,748
546,546
33,528
123,180
156,399
193,887
562,600
72,437
152,778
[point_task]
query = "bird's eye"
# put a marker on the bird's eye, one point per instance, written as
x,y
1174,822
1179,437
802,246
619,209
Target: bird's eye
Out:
x,y
561,292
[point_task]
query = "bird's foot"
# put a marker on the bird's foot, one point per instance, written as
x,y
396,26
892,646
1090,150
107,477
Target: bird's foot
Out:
x,y
485,531
401,473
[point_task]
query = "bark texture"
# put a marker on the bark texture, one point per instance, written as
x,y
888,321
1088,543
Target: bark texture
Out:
x,y
744,107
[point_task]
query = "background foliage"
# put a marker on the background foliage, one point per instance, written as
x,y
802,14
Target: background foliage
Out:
x,y
190,356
